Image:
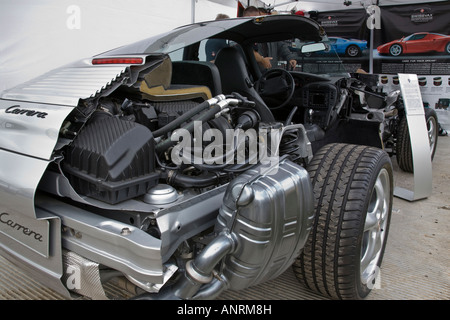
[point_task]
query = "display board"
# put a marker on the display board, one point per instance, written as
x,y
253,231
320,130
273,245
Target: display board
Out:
x,y
406,39
415,116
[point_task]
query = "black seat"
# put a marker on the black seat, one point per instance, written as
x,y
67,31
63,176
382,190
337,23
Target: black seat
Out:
x,y
197,73
235,78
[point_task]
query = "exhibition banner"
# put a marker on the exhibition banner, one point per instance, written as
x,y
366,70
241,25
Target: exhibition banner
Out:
x,y
410,38
413,39
349,36
407,39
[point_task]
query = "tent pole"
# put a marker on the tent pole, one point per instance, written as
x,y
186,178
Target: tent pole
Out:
x,y
193,11
371,52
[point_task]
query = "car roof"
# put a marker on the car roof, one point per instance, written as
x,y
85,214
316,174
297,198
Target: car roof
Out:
x,y
240,30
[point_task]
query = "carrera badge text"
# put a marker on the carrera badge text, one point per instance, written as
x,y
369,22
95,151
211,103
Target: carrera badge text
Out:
x,y
27,112
16,226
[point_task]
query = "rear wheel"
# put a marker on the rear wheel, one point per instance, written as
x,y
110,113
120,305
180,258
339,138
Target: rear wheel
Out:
x,y
395,50
403,145
353,190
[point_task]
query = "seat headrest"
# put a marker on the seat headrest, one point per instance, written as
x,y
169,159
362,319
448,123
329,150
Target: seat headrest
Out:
x,y
230,56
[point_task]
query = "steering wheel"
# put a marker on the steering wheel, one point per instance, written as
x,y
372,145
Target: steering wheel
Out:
x,y
274,85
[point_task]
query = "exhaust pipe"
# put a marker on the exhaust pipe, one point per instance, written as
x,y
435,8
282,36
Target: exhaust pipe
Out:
x,y
263,223
200,270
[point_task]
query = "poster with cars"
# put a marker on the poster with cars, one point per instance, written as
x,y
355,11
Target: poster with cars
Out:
x,y
415,39
411,39
349,38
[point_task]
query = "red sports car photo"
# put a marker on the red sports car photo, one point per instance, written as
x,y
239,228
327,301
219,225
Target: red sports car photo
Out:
x,y
421,42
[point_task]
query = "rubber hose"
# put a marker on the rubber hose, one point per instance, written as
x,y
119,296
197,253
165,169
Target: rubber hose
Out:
x,y
203,117
183,118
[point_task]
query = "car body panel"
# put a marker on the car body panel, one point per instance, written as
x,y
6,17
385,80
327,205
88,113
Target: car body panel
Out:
x,y
31,128
67,85
29,237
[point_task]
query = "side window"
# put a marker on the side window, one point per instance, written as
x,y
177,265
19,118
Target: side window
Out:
x,y
207,50
210,47
176,55
418,37
202,51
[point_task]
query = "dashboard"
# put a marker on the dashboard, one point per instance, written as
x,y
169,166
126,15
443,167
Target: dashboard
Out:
x,y
318,96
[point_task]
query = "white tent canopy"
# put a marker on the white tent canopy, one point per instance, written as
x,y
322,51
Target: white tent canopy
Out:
x,y
43,35
38,36
322,5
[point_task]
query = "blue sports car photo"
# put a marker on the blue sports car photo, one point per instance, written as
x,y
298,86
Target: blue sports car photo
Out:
x,y
348,47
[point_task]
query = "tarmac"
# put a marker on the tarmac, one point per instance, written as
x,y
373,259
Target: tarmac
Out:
x,y
415,265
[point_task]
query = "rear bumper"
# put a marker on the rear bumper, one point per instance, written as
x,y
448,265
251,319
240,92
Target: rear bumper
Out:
x,y
29,238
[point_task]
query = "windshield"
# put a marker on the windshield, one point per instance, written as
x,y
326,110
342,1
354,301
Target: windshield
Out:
x,y
291,55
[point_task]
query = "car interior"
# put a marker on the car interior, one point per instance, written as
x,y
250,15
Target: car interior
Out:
x,y
315,97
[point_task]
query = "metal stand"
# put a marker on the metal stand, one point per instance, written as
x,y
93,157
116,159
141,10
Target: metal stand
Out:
x,y
420,144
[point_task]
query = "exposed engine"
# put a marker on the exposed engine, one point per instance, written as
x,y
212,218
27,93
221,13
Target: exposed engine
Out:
x,y
102,163
193,175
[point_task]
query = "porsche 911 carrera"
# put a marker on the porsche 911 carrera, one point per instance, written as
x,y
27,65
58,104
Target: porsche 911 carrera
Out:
x,y
143,167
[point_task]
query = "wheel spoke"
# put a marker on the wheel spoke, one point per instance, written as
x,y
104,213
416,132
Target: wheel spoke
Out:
x,y
368,253
371,221
431,133
374,226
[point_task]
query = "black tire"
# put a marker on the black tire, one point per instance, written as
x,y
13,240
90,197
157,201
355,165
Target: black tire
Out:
x,y
403,145
447,48
353,51
347,180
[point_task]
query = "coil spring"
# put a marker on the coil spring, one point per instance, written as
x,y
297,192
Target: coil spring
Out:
x,y
289,145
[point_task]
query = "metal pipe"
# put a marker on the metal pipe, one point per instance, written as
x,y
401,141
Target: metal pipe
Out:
x,y
212,290
199,271
193,11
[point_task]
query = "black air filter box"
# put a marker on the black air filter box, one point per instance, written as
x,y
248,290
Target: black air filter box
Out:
x,y
112,160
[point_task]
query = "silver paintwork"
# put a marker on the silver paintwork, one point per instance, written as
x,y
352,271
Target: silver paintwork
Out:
x,y
19,178
28,134
32,233
101,240
66,86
